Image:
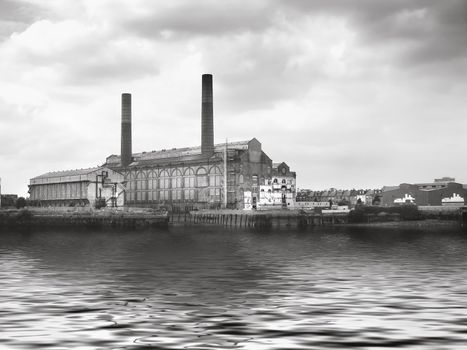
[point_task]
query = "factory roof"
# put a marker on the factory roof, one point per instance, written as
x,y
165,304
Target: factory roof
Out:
x,y
77,175
177,154
66,173
389,188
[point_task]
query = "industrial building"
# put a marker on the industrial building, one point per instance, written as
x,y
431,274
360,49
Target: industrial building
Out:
x,y
79,187
206,176
443,191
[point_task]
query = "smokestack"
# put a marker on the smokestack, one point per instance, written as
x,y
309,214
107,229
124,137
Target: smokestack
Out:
x,y
207,124
126,130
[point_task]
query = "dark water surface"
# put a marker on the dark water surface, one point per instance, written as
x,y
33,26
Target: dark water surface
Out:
x,y
209,288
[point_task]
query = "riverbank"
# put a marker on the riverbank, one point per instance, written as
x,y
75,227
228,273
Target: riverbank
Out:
x,y
303,220
262,220
427,223
82,217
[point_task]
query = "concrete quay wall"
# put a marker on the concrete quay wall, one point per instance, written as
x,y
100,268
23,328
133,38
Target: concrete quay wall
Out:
x,y
258,219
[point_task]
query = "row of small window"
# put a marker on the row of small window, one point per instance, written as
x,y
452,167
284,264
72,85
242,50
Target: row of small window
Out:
x,y
276,181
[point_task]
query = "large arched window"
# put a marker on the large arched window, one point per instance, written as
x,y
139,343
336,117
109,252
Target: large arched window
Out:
x,y
152,186
189,184
176,181
215,184
141,186
164,186
215,177
201,178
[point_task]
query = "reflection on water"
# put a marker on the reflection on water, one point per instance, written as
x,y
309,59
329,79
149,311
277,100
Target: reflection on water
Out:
x,y
208,288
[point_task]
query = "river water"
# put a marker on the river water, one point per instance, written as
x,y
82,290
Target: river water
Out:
x,y
214,288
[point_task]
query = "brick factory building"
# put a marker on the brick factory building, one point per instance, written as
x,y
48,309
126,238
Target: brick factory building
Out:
x,y
206,176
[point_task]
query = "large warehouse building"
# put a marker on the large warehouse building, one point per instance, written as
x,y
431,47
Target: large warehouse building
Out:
x,y
78,187
207,176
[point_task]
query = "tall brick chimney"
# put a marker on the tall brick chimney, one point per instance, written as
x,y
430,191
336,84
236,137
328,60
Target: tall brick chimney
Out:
x,y
126,130
207,124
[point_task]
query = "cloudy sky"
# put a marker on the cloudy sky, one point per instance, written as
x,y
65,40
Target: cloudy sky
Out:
x,y
349,93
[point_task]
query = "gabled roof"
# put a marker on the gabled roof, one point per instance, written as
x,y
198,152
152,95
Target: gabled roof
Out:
x,y
66,173
77,175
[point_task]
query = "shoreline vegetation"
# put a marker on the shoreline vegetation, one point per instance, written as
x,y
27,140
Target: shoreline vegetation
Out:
x,y
405,216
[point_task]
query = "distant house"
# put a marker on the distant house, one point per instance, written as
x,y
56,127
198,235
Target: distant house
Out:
x,y
280,189
282,178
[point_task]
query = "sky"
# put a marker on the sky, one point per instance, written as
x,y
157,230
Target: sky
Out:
x,y
350,94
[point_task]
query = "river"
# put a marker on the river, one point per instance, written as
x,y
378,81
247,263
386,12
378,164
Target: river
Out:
x,y
216,288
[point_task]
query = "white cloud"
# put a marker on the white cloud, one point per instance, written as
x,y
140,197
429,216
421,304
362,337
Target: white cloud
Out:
x,y
347,95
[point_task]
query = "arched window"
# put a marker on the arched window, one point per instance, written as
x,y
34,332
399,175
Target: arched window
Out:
x,y
153,179
215,184
201,178
215,177
164,185
141,186
189,184
177,180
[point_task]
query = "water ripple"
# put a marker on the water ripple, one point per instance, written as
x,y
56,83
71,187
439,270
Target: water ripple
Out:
x,y
221,289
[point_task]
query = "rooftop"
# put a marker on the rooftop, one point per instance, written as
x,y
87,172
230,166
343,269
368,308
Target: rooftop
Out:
x,y
185,153
66,173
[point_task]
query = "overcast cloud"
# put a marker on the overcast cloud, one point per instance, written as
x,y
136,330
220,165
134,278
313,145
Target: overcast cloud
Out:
x,y
349,93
